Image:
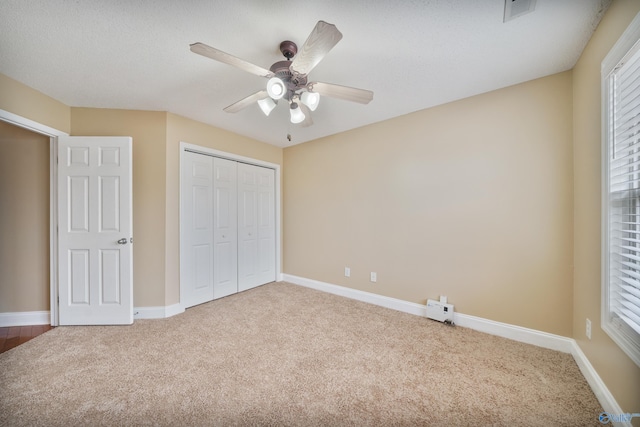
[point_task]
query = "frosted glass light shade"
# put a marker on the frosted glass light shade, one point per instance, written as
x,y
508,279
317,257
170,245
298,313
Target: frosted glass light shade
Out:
x,y
297,115
310,99
276,88
267,105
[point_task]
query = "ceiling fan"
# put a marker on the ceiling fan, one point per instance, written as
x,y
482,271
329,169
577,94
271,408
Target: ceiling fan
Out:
x,y
288,79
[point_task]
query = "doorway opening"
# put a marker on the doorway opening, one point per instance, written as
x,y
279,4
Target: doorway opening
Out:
x,y
37,317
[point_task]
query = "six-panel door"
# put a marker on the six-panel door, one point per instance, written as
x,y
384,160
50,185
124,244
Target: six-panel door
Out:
x,y
95,231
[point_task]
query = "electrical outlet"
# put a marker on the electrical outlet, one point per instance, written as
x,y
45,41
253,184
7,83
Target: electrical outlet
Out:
x,y
588,328
374,276
347,272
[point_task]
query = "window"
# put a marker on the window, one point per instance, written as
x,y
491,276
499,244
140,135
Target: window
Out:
x,y
621,187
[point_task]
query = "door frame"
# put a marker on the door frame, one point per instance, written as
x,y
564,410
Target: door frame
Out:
x,y
184,147
53,135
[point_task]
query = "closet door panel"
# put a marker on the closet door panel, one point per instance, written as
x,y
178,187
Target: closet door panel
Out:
x,y
225,228
256,227
197,209
266,225
247,227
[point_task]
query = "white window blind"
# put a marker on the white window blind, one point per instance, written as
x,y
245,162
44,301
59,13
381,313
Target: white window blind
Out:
x,y
621,314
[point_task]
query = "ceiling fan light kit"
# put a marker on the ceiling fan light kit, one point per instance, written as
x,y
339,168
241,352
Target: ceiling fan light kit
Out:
x,y
297,116
267,105
310,99
288,79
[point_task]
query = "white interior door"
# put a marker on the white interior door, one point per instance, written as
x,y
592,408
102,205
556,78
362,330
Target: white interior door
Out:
x,y
225,228
197,230
256,226
95,231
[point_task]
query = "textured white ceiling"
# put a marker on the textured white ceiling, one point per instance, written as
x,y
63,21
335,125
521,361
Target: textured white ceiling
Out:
x,y
413,54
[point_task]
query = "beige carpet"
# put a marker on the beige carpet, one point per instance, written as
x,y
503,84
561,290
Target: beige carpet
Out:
x,y
286,355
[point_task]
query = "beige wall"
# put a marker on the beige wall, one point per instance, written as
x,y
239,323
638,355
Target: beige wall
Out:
x,y
620,374
148,129
27,102
186,130
24,220
472,200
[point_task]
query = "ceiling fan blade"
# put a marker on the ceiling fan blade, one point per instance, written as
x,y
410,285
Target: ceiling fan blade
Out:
x,y
218,55
308,121
342,92
245,102
321,40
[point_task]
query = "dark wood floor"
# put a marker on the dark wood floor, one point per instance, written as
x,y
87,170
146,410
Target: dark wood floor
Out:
x,y
13,336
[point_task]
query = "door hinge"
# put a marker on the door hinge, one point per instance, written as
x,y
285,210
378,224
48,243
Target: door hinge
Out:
x,y
58,297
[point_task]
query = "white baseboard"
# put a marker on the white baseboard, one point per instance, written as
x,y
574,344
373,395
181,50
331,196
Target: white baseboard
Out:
x,y
381,300
505,330
160,312
516,333
25,318
606,399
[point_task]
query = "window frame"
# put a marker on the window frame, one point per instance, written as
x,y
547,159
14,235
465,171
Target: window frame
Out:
x,y
623,335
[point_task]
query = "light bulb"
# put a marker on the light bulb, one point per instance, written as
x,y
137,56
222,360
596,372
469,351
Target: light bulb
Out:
x,y
267,105
310,99
275,88
297,115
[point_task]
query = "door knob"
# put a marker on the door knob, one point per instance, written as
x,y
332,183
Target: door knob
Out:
x,y
122,241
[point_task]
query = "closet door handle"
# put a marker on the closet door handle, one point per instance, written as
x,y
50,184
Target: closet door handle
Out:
x,y
122,241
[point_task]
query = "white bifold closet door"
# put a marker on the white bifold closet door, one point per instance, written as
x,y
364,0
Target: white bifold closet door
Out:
x,y
228,227
256,226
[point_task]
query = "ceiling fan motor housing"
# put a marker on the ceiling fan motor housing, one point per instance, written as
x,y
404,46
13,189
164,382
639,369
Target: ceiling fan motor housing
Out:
x,y
293,83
